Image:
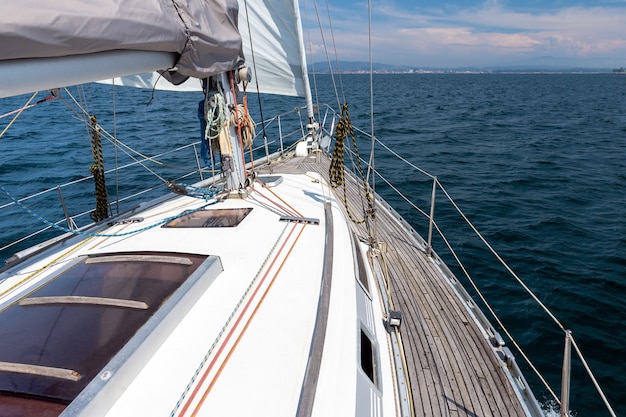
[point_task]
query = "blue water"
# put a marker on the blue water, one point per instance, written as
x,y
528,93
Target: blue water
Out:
x,y
537,162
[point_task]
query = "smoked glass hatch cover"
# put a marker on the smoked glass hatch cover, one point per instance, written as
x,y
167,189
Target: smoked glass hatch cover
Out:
x,y
56,339
211,218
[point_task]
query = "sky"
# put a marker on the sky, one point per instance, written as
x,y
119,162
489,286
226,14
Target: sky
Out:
x,y
469,33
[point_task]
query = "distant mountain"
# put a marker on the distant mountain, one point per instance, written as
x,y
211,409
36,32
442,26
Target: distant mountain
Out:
x,y
539,64
355,66
554,64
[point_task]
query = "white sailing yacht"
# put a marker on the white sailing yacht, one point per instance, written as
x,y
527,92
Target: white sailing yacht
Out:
x,y
262,290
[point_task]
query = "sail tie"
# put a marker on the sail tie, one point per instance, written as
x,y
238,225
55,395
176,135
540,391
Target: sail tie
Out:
x,y
336,171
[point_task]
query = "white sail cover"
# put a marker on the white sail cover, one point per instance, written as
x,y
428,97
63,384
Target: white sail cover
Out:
x,y
198,37
272,45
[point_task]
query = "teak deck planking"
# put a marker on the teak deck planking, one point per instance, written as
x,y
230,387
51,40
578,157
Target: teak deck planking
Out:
x,y
451,368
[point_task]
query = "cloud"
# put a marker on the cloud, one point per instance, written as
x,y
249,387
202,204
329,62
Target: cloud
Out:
x,y
468,35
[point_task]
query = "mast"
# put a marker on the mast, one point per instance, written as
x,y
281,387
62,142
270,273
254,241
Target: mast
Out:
x,y
303,62
233,165
312,127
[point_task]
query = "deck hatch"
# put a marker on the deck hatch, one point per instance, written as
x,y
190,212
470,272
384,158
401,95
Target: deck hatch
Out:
x,y
210,218
368,357
79,320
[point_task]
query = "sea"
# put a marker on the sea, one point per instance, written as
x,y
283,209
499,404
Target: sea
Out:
x,y
536,162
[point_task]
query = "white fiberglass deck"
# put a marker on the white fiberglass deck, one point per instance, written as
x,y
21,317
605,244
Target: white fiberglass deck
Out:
x,y
238,340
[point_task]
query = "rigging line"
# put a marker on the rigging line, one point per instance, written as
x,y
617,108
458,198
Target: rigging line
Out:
x,y
89,177
495,316
117,179
53,262
256,79
22,239
89,234
242,312
110,138
394,153
310,55
292,210
593,379
49,97
102,128
330,67
332,35
502,261
153,88
19,113
370,165
268,206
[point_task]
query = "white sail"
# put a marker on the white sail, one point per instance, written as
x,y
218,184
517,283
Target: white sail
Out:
x,y
275,50
272,46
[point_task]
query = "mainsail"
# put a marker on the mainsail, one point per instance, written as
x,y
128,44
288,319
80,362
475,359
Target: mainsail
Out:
x,y
47,44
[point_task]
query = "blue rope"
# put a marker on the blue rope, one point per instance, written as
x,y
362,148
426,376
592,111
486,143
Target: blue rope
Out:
x,y
192,191
199,192
78,232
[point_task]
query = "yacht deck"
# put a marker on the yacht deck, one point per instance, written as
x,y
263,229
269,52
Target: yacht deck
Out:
x,y
452,367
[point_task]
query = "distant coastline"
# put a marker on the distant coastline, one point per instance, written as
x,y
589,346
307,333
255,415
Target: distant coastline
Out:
x,y
354,67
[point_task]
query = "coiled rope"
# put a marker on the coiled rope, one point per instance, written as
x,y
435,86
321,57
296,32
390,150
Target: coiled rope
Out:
x,y
240,117
336,171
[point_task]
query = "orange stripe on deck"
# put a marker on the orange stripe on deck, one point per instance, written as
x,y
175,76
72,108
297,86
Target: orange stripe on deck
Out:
x,y
236,324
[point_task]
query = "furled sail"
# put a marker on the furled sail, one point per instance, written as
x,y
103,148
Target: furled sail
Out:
x,y
46,44
272,45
